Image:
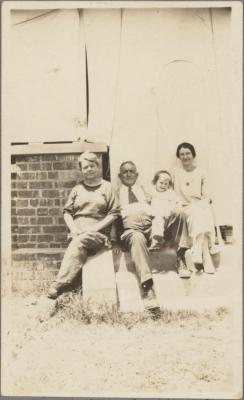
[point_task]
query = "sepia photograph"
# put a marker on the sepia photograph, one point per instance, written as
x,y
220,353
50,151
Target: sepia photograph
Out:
x,y
121,199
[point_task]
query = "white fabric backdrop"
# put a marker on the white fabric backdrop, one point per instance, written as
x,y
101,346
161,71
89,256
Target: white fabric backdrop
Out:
x,y
46,90
156,77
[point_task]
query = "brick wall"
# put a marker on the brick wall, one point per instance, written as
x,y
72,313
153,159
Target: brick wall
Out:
x,y
33,270
40,187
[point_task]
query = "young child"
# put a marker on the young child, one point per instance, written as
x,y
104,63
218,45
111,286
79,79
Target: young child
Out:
x,y
165,203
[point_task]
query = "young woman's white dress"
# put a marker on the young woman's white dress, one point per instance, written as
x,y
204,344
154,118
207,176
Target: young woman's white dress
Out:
x,y
193,190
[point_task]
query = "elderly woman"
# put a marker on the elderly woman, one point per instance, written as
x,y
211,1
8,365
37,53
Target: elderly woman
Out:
x,y
191,184
89,212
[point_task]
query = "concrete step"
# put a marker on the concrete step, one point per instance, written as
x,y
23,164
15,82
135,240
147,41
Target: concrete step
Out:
x,y
128,287
108,274
201,291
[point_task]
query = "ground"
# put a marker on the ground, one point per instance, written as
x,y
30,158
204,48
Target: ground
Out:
x,y
67,350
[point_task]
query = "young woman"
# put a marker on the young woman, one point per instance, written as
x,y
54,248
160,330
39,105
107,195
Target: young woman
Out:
x,y
191,184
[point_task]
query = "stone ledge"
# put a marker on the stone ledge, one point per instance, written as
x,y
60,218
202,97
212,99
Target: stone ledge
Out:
x,y
58,148
37,253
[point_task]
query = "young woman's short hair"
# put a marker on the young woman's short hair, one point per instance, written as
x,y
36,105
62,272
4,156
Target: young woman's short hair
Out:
x,y
157,175
88,156
186,145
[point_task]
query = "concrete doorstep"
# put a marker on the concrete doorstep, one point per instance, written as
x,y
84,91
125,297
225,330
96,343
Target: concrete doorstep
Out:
x,y
109,279
202,291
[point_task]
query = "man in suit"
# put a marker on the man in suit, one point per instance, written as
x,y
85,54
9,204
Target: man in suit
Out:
x,y
137,220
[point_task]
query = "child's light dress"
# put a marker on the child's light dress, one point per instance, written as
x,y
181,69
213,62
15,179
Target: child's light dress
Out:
x,y
163,204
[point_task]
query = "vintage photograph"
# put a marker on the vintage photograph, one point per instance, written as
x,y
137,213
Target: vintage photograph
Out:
x,y
122,199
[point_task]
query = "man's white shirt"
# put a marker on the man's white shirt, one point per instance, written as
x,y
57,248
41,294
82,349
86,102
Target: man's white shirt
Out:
x,y
133,208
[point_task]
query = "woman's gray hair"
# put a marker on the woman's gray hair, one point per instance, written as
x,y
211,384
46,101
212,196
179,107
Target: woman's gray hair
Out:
x,y
88,156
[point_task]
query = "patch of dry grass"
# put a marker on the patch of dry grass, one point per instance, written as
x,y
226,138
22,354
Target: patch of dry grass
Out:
x,y
35,316
107,347
70,306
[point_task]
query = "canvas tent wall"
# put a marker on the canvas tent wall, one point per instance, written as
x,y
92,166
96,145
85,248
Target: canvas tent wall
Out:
x,y
140,80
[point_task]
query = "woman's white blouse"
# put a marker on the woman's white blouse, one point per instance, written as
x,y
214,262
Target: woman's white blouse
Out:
x,y
191,185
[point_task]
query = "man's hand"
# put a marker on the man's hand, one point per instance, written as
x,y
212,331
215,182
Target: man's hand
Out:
x,y
148,197
177,210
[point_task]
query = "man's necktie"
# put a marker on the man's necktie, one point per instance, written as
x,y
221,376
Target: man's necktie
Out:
x,y
131,197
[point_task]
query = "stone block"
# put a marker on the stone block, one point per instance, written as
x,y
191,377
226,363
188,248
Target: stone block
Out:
x,y
98,280
127,284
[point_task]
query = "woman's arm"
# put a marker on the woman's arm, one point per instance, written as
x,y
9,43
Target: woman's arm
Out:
x,y
205,188
177,206
68,213
108,220
70,224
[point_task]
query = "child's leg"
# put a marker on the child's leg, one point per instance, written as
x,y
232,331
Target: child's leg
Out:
x,y
158,228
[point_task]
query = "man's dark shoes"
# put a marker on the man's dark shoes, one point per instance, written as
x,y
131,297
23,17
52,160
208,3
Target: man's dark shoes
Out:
x,y
154,247
150,299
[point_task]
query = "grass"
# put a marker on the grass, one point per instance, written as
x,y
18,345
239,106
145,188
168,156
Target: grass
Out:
x,y
78,327
38,316
70,307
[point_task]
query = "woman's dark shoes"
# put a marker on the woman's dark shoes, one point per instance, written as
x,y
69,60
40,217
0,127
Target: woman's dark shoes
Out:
x,y
52,294
199,266
182,269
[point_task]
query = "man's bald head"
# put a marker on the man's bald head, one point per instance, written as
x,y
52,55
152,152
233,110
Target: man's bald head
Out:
x,y
128,173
